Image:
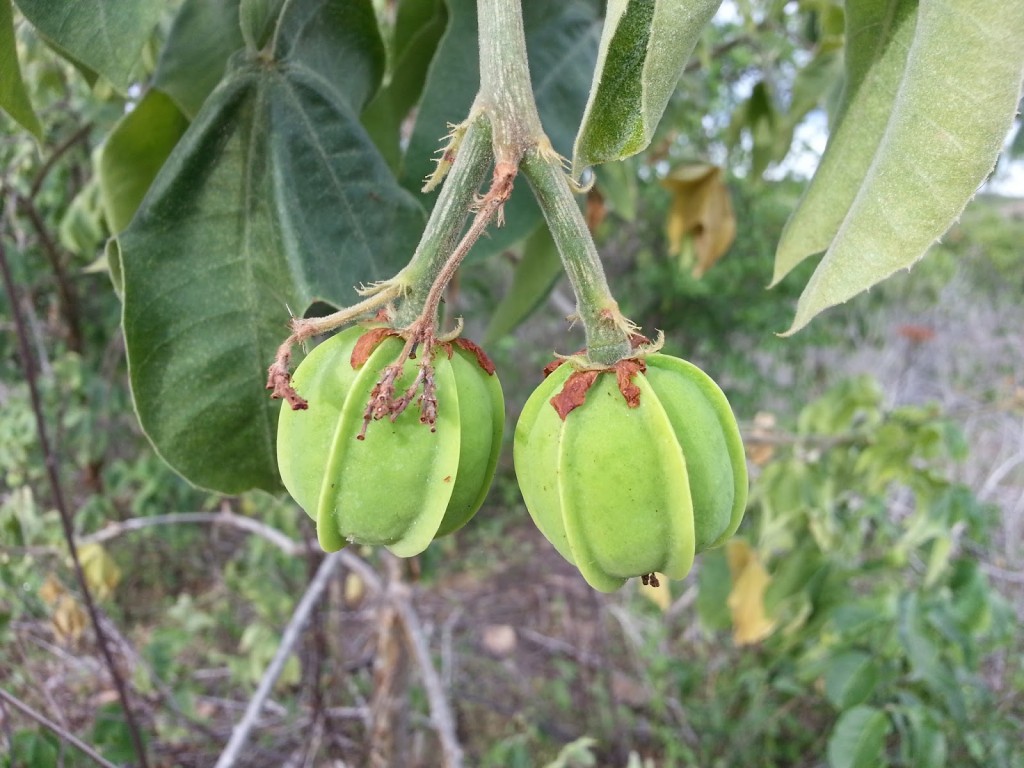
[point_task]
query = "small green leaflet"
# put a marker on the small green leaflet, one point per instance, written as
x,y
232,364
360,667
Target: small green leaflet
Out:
x,y
13,96
644,47
956,100
858,738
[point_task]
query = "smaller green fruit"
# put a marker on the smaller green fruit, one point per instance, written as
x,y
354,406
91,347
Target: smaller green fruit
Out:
x,y
631,471
405,483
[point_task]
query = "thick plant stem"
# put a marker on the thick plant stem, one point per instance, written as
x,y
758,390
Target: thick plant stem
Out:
x,y
507,95
606,329
505,89
473,158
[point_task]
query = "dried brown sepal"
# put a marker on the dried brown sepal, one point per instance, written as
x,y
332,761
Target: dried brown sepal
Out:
x,y
554,364
574,392
381,395
475,349
279,380
650,580
625,370
637,340
368,342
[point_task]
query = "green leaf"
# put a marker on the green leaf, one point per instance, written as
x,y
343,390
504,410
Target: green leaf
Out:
x,y
418,29
850,679
561,41
275,198
257,19
644,47
534,278
759,116
714,583
104,35
858,739
13,96
949,119
133,154
927,741
617,183
192,61
878,37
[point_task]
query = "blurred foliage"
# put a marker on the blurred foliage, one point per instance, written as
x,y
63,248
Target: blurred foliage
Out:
x,y
883,624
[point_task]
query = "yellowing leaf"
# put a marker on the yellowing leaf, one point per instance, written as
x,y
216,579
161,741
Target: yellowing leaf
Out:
x,y
355,589
746,600
701,210
68,618
102,574
51,590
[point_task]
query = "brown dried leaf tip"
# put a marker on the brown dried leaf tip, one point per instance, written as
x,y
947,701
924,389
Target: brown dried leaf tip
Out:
x,y
368,342
625,370
475,349
574,391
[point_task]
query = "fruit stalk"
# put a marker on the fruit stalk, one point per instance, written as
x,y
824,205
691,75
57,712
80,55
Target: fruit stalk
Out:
x,y
607,331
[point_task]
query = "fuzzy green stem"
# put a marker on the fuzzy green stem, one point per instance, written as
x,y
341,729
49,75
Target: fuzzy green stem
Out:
x,y
473,159
607,331
505,89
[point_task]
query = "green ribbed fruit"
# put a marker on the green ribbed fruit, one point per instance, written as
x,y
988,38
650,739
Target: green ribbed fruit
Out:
x,y
626,491
403,485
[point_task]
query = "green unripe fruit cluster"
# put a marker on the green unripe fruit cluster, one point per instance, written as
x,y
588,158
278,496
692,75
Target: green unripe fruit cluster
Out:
x,y
405,483
646,469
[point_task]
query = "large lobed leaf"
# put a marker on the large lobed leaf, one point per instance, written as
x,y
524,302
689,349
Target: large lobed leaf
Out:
x,y
946,110
104,35
274,198
644,47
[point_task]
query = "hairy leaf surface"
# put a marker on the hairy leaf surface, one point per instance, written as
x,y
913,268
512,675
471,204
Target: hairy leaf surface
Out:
x,y
878,38
193,59
105,35
644,47
273,199
956,101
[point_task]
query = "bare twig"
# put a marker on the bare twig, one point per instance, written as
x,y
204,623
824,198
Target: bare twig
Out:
x,y
62,733
440,714
388,736
65,288
314,591
50,460
58,152
274,536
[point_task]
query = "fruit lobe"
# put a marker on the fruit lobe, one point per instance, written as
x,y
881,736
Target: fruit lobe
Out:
x,y
648,470
404,484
